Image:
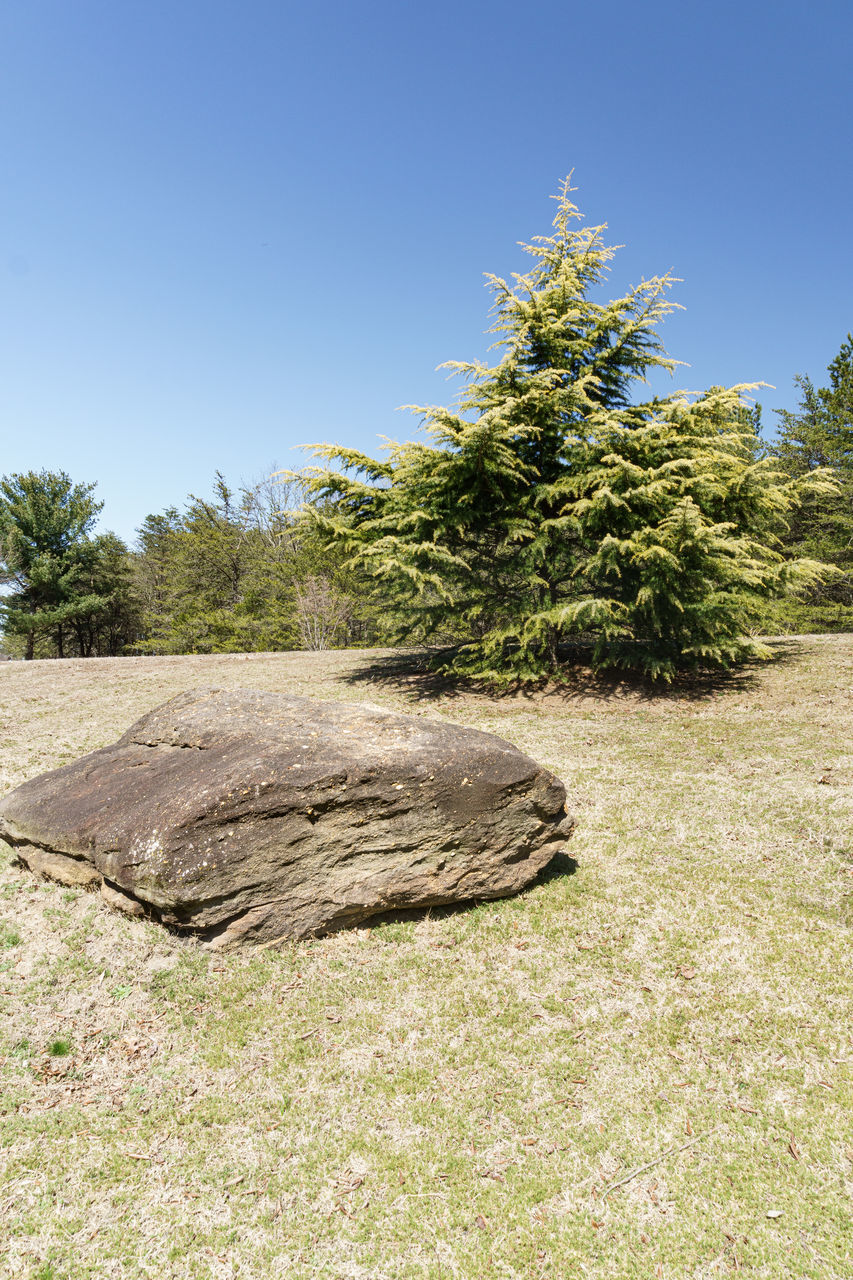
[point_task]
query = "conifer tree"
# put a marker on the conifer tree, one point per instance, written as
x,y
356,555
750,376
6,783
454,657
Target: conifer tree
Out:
x,y
213,579
819,434
550,504
45,548
107,616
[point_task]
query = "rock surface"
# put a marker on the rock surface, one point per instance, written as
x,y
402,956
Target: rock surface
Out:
x,y
254,817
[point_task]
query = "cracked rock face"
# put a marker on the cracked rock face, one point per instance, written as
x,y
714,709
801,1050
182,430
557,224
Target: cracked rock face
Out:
x,y
256,817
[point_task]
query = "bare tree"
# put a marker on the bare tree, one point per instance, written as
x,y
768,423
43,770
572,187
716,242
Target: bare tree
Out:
x,y
322,612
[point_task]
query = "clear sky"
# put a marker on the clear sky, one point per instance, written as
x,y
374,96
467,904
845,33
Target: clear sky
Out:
x,y
232,227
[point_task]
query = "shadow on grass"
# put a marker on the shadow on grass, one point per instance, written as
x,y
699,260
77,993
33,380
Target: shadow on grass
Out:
x,y
411,673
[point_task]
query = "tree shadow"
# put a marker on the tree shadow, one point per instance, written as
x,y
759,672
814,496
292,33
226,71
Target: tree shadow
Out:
x,y
411,673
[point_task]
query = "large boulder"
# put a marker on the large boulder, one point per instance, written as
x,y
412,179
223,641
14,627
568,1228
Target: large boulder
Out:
x,y
254,816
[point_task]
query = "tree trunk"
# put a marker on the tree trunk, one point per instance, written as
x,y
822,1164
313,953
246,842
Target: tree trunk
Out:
x,y
30,651
553,632
553,651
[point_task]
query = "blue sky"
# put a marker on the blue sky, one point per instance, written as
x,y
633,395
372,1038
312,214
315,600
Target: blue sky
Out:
x,y
231,228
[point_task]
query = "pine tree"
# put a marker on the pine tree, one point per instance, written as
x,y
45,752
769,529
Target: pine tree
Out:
x,y
107,616
549,505
217,578
45,521
819,434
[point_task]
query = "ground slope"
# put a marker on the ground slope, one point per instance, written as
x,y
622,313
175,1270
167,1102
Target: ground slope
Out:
x,y
471,1093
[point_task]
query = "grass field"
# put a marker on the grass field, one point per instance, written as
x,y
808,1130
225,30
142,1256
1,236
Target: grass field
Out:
x,y
641,1067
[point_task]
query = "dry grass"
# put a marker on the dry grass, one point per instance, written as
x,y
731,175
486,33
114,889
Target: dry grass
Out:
x,y
453,1095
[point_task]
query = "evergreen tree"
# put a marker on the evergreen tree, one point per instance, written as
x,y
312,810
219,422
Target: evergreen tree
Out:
x,y
548,504
45,550
242,571
217,578
156,544
819,434
108,614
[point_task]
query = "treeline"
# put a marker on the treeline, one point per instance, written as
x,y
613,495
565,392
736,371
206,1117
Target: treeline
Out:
x,y
243,570
239,571
547,507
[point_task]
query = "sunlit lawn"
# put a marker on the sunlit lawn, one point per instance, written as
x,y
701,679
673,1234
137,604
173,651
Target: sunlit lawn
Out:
x,y
640,1067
